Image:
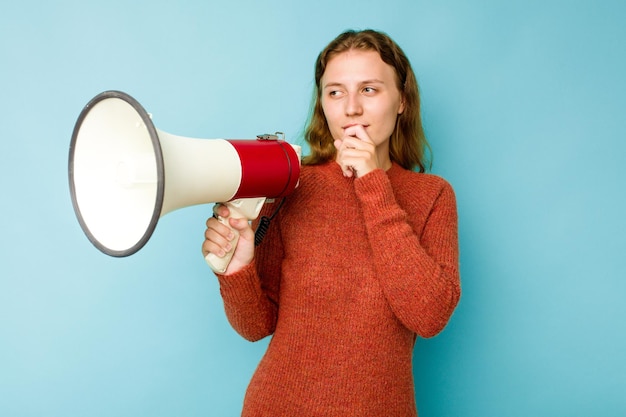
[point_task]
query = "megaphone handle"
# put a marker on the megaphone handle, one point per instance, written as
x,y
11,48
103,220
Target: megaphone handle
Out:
x,y
245,208
219,264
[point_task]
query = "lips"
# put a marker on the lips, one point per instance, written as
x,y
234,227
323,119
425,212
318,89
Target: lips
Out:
x,y
349,125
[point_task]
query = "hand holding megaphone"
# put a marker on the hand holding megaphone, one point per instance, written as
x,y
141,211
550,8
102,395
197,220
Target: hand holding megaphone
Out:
x,y
217,237
125,174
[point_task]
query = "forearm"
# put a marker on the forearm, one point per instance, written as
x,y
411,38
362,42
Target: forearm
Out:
x,y
418,273
248,308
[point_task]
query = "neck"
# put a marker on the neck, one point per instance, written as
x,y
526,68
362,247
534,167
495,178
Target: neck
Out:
x,y
384,161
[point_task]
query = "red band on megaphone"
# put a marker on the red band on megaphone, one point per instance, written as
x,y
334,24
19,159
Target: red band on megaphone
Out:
x,y
270,168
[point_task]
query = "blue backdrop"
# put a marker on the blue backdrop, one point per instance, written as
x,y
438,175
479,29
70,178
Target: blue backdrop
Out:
x,y
524,107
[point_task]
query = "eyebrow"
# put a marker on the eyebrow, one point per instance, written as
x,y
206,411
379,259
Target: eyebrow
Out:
x,y
338,84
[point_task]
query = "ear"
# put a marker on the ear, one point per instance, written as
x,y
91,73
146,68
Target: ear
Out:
x,y
402,105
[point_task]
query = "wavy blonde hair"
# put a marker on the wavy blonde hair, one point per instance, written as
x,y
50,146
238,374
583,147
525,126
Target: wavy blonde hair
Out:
x,y
408,144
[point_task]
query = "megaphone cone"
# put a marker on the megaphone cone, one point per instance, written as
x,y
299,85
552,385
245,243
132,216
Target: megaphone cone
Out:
x,y
125,174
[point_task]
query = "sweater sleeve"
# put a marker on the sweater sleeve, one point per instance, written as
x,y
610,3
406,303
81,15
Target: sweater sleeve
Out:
x,y
419,274
250,295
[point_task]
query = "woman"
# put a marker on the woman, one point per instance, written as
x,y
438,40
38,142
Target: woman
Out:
x,y
359,260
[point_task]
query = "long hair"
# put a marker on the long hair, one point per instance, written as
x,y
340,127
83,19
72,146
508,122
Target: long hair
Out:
x,y
408,144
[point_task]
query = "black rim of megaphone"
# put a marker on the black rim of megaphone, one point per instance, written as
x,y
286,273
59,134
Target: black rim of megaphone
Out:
x,y
154,137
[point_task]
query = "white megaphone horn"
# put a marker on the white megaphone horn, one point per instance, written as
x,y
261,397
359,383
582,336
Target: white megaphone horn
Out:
x,y
125,174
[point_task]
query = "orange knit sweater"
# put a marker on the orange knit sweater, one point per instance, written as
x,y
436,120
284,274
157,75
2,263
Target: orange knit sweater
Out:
x,y
350,272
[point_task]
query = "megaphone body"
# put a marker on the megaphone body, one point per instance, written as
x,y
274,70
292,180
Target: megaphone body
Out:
x,y
125,174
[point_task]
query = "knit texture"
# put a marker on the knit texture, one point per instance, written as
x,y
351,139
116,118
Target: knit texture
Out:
x,y
350,273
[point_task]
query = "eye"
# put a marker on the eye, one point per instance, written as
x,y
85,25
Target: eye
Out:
x,y
369,90
335,93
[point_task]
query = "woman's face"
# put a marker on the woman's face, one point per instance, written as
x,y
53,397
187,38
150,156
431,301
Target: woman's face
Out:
x,y
359,88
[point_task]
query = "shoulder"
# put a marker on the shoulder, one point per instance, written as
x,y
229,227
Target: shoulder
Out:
x,y
404,177
425,188
326,170
315,184
325,176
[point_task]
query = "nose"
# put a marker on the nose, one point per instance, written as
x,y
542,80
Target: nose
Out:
x,y
353,105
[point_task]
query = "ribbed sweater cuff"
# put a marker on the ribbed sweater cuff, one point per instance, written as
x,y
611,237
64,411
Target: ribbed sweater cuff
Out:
x,y
374,190
242,286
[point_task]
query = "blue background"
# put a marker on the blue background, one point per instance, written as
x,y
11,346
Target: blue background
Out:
x,y
524,106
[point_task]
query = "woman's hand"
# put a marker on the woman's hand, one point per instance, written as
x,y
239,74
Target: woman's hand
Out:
x,y
218,239
356,152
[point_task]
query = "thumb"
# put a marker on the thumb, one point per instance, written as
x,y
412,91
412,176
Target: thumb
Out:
x,y
243,227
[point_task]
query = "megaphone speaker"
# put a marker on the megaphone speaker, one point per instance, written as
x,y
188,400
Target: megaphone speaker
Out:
x,y
125,174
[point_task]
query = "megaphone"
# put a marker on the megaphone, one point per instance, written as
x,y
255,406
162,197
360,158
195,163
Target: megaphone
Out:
x,y
125,174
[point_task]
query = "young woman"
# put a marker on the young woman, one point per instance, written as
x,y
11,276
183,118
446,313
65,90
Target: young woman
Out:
x,y
359,260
